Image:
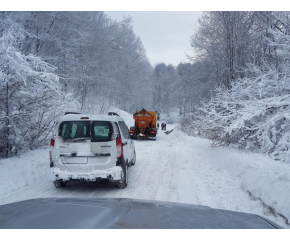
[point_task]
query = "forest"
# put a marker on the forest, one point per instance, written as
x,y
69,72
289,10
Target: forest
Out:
x,y
233,90
52,62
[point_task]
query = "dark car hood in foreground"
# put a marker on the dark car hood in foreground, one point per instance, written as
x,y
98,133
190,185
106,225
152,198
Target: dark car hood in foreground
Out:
x,y
66,213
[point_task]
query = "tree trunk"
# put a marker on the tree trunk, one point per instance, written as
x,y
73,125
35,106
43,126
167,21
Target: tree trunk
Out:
x,y
7,123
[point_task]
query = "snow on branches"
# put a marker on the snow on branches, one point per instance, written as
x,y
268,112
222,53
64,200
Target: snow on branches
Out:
x,y
30,95
253,114
250,110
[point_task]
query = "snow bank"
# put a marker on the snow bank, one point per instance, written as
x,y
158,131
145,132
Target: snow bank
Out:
x,y
25,171
266,179
128,118
271,185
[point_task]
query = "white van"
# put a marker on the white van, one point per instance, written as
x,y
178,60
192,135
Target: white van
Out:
x,y
91,147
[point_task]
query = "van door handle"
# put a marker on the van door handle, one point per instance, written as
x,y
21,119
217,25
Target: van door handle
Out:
x,y
123,144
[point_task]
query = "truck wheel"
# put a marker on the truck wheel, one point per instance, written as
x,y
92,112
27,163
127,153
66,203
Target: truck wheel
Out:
x,y
124,181
59,183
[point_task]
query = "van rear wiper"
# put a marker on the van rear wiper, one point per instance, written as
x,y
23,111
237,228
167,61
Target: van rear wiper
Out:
x,y
77,139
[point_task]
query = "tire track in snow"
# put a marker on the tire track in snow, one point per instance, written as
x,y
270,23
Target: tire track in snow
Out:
x,y
167,186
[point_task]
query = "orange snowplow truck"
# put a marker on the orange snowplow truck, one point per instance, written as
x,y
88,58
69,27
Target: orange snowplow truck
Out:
x,y
145,125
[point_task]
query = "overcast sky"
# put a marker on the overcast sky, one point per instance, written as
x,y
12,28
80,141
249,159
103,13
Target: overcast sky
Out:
x,y
165,35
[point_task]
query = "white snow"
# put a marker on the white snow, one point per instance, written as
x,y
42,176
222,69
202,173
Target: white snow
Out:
x,y
128,118
21,174
115,173
175,168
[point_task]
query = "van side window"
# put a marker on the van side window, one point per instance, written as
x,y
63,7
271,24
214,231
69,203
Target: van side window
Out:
x,y
124,129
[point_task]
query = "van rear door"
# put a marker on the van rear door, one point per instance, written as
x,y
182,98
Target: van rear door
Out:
x,y
73,143
103,145
88,144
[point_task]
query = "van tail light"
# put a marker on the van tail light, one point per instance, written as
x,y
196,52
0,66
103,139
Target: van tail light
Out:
x,y
119,147
52,141
132,131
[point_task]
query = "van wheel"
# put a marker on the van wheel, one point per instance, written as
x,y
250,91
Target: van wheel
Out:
x,y
133,160
59,183
124,181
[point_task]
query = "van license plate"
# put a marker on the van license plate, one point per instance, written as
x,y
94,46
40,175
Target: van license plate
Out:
x,y
75,160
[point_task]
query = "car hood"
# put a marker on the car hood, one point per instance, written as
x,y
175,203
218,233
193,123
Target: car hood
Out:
x,y
66,213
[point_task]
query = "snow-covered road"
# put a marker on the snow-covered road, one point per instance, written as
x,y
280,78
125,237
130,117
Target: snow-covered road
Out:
x,y
175,168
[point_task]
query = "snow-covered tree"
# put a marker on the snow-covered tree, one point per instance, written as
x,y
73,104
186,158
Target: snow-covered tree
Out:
x,y
254,112
30,93
165,80
50,58
227,41
97,59
193,85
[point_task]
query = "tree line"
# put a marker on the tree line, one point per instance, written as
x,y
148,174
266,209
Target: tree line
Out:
x,y
247,56
235,90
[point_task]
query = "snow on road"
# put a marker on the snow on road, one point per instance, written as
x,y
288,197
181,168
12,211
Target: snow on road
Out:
x,y
175,168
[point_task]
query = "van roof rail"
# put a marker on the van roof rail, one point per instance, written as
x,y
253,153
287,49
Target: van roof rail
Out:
x,y
113,114
71,113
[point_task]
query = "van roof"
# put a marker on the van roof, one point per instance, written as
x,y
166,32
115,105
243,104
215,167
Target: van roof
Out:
x,y
92,117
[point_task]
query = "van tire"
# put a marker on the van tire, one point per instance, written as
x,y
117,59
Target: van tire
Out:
x,y
133,160
59,183
124,181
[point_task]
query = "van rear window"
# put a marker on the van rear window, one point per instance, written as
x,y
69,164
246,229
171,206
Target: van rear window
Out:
x,y
97,131
102,131
74,130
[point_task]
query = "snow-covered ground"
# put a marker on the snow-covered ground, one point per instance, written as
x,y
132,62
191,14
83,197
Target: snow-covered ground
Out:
x,y
176,168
